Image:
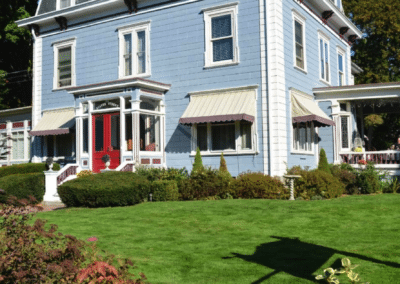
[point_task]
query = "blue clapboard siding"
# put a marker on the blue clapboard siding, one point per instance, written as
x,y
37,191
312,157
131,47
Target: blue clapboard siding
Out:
x,y
177,58
305,82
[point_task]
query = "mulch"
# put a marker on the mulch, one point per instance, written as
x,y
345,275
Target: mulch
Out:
x,y
46,208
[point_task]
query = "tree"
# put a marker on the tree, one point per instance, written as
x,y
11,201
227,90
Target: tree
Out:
x,y
323,162
223,169
198,162
378,52
16,54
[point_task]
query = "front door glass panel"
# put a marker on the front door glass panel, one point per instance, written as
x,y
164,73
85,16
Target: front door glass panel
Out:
x,y
99,133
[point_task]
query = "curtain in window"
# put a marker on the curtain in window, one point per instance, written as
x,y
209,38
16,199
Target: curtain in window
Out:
x,y
245,132
221,29
299,44
18,145
128,54
64,67
141,52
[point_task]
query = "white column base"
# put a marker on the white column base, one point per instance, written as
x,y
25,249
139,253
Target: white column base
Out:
x,y
51,194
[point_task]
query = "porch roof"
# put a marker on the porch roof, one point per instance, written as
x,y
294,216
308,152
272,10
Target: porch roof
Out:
x,y
216,106
304,109
359,92
55,122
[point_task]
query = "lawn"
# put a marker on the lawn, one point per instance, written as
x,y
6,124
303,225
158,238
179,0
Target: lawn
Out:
x,y
246,241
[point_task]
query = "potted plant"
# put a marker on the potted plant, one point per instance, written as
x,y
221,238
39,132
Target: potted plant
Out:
x,y
106,160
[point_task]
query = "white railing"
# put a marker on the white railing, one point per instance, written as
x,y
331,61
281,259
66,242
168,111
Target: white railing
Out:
x,y
127,166
389,157
66,171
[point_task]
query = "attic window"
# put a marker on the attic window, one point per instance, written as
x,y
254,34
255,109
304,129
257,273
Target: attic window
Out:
x,y
61,4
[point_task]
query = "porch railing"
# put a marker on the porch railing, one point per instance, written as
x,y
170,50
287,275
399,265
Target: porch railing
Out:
x,y
389,157
68,170
127,166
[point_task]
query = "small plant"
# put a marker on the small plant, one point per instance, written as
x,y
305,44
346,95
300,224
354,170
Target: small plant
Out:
x,y
323,162
363,162
84,173
329,273
198,162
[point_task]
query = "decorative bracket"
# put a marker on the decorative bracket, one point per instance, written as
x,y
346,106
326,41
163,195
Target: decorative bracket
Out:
x,y
132,5
352,38
326,15
62,22
36,29
343,30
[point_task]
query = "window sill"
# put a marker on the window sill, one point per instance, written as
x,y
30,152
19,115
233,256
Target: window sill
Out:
x,y
325,82
145,75
226,153
300,69
63,88
150,153
220,65
302,153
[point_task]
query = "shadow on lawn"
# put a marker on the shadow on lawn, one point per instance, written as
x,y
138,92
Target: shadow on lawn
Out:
x,y
298,258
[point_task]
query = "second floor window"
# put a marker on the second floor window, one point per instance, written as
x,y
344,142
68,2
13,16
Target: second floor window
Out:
x,y
64,64
341,69
221,36
324,59
134,51
61,4
299,44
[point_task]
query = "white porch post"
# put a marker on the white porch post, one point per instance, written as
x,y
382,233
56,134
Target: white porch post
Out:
x,y
135,131
336,131
51,194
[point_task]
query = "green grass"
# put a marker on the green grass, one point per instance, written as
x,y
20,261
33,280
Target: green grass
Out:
x,y
247,241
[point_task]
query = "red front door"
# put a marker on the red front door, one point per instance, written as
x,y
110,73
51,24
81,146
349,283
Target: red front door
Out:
x,y
106,140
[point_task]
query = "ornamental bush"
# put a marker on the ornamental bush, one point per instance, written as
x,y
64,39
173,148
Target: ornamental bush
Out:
x,y
368,180
105,190
316,182
323,162
164,190
198,162
347,176
258,185
32,254
26,169
22,186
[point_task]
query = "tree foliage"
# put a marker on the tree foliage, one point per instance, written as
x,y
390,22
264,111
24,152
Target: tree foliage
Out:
x,y
16,54
323,162
378,52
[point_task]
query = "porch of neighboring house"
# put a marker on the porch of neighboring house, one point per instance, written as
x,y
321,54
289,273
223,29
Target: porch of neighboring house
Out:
x,y
353,141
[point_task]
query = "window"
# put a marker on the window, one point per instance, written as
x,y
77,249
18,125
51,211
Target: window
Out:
x,y
150,125
134,50
229,136
85,135
299,41
221,35
64,64
324,58
303,137
61,4
341,69
344,127
18,145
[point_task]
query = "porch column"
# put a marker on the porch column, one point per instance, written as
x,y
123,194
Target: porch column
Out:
x,y
336,131
136,131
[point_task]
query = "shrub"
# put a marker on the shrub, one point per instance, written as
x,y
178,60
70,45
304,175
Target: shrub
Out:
x,y
26,169
22,186
151,174
205,183
391,185
198,162
323,162
164,190
346,176
368,180
317,182
84,173
258,185
104,190
31,254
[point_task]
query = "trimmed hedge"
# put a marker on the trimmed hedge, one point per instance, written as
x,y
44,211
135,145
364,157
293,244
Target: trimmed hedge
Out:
x,y
23,185
164,190
105,190
257,185
26,169
316,183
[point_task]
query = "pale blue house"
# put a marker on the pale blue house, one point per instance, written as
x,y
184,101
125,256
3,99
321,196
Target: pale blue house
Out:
x,y
149,81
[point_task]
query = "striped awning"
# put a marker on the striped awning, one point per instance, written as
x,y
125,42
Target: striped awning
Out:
x,y
220,106
55,122
304,109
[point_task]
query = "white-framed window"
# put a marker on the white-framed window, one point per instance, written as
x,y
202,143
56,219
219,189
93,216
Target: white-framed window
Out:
x,y
299,39
221,40
17,145
150,125
134,50
234,137
303,138
341,69
64,64
345,126
324,64
61,4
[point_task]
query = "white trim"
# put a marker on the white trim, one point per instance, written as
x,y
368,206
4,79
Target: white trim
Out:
x,y
58,5
296,16
340,51
222,10
56,47
325,41
277,94
312,141
126,28
64,41
133,30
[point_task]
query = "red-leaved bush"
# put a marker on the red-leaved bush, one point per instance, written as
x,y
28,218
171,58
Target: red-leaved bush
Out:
x,y
32,254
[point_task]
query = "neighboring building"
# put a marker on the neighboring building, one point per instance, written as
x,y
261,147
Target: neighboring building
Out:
x,y
150,81
15,125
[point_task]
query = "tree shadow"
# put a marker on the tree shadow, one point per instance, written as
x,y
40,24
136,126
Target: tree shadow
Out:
x,y
298,258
